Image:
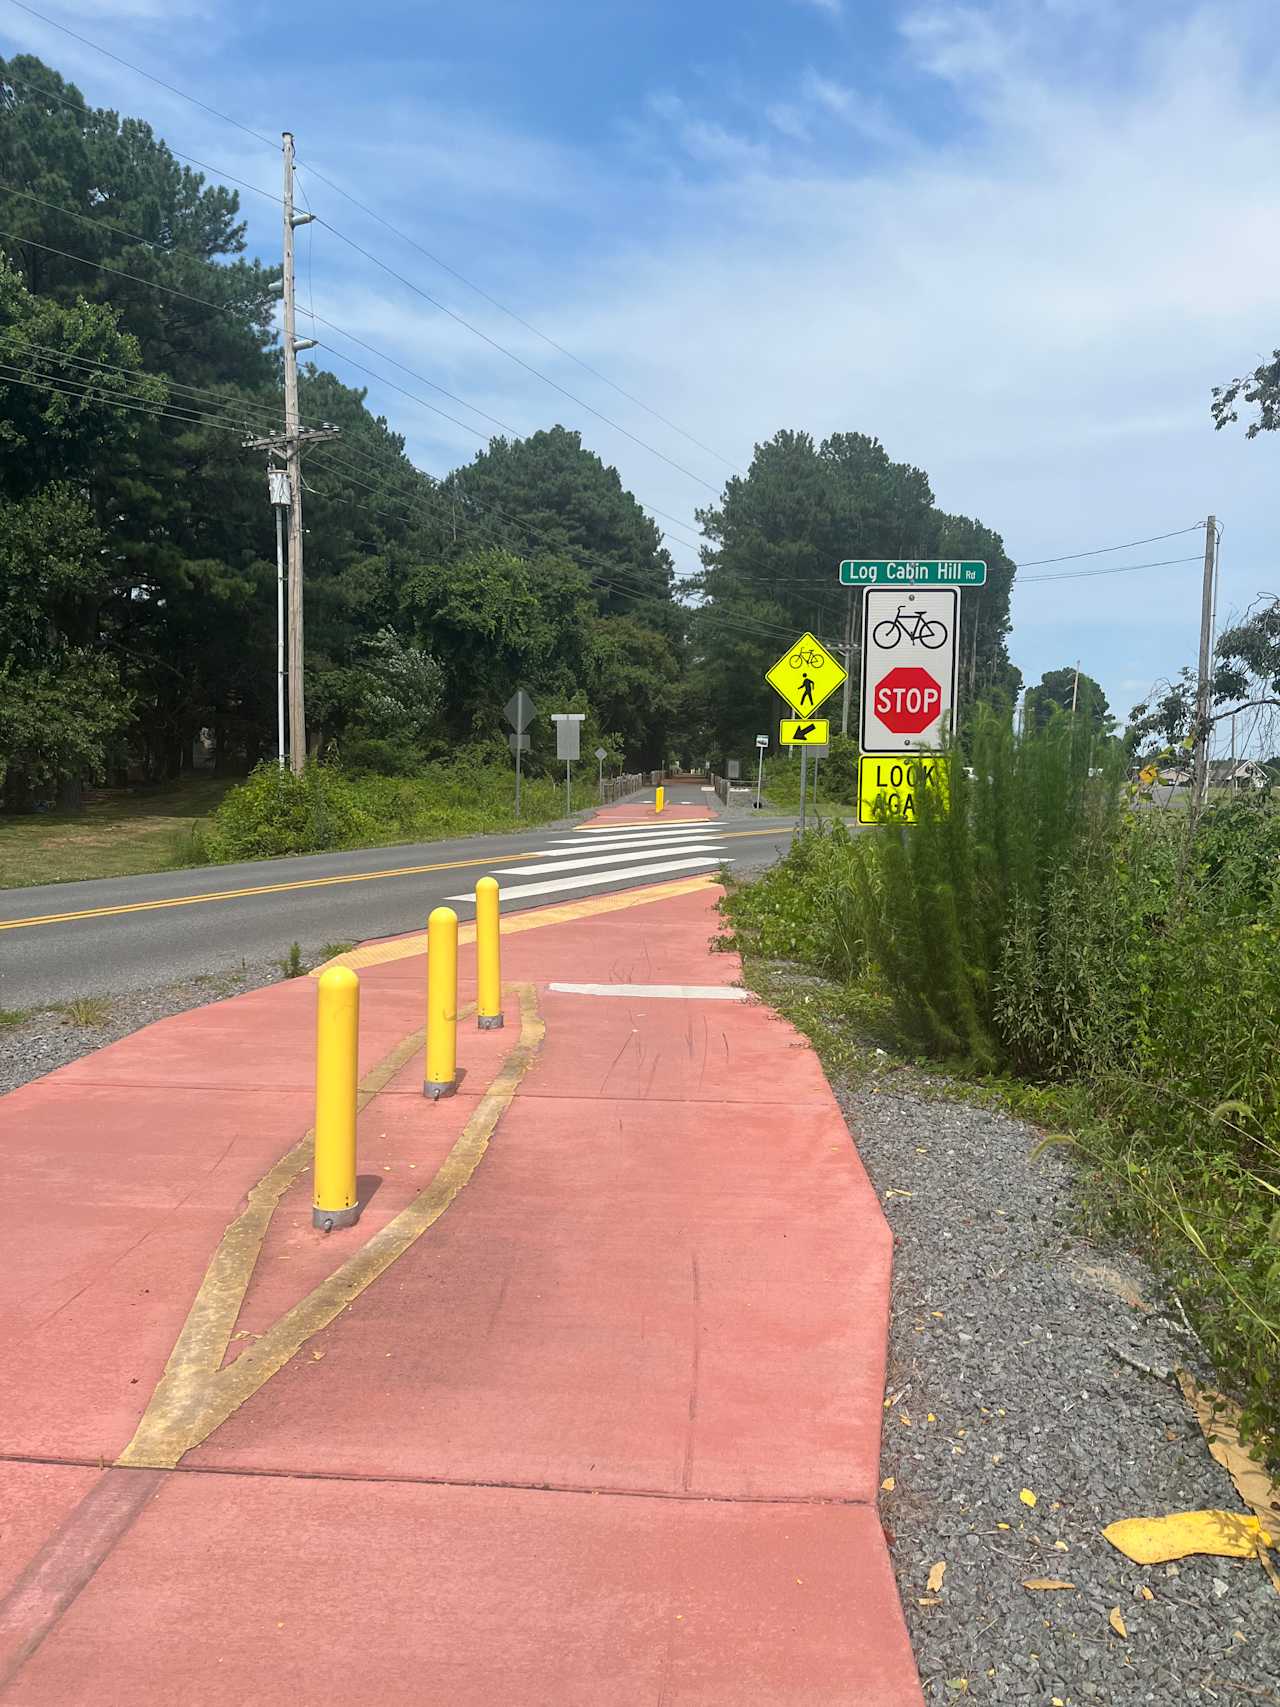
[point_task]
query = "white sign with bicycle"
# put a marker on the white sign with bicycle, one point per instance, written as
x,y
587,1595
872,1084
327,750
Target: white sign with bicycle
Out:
x,y
909,656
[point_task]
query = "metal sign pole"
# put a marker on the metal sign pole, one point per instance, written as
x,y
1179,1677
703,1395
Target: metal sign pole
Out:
x,y
759,777
517,776
568,787
804,777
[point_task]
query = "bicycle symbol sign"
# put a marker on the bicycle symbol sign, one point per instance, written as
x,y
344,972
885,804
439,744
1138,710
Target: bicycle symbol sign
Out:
x,y
805,675
912,626
908,668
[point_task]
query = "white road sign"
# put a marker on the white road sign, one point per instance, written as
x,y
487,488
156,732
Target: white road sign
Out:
x,y
909,657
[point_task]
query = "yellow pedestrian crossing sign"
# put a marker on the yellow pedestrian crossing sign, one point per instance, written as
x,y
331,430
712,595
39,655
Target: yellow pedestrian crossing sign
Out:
x,y
805,675
804,732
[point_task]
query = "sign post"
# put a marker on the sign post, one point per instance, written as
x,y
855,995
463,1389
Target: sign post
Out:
x,y
519,712
762,741
568,747
601,755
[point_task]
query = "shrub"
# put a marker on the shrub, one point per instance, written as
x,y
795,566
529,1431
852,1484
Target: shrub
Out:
x,y
275,812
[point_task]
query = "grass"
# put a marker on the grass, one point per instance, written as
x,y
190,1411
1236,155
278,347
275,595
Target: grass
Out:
x,y
121,833
86,1010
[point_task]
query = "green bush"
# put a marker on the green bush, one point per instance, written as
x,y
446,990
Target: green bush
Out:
x,y
275,812
1124,965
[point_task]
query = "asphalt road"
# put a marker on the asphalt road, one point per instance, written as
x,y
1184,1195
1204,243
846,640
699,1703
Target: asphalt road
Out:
x,y
111,935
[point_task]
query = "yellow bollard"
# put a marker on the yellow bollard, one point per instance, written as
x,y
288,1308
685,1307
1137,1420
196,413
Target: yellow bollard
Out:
x,y
659,799
488,956
337,1050
442,1004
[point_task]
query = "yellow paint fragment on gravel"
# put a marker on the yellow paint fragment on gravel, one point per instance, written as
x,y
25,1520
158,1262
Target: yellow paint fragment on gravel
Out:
x,y
1156,1540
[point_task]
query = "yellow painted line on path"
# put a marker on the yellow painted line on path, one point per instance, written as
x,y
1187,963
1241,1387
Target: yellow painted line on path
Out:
x,y
257,889
196,1395
564,912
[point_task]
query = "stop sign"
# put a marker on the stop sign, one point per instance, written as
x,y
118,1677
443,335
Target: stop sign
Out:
x,y
907,700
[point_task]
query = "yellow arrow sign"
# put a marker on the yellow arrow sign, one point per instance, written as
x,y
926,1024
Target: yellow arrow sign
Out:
x,y
805,675
811,732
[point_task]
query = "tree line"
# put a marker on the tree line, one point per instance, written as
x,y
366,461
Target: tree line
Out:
x,y
137,563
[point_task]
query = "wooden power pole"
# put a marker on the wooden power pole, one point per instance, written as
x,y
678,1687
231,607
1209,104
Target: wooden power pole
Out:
x,y
288,446
1204,685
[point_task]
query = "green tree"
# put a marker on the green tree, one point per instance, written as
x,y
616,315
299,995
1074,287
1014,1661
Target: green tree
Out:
x,y
1061,690
1261,388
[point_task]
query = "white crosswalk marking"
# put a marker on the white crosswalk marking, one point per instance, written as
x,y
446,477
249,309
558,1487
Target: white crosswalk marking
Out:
x,y
611,854
554,886
555,863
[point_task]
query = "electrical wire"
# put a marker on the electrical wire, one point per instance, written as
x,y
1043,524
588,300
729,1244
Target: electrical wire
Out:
x,y
1101,550
475,330
1121,569
138,71
137,237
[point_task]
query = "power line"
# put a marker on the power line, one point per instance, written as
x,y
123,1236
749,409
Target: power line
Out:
x,y
137,69
1122,569
512,356
518,318
332,326
426,295
1101,551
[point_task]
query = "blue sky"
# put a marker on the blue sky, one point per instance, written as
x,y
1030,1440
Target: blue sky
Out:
x,y
1019,240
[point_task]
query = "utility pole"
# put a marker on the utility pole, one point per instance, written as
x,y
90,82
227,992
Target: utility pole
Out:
x,y
847,692
297,711
1203,684
288,447
1075,688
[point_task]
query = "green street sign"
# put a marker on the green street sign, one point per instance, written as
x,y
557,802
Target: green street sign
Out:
x,y
911,572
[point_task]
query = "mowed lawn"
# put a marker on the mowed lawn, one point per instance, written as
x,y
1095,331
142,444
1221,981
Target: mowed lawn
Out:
x,y
119,834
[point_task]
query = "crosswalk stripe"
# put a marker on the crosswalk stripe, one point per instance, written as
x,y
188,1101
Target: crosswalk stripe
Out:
x,y
553,885
639,842
630,829
558,862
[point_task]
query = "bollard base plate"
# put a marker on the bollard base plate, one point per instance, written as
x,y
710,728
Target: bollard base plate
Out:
x,y
327,1219
435,1092
489,1022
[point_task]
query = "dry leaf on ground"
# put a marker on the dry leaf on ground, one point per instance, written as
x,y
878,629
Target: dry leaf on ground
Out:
x,y
936,1575
1027,1497
1116,1622
888,1485
1155,1540
1219,1422
1046,1582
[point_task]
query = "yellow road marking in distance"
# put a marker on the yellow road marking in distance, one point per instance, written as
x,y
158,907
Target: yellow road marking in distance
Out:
x,y
257,889
196,1394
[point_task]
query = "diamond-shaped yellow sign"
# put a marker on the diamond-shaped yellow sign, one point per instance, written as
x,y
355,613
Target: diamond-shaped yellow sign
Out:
x,y
805,675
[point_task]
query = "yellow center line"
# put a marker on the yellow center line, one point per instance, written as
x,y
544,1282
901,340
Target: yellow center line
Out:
x,y
256,889
299,883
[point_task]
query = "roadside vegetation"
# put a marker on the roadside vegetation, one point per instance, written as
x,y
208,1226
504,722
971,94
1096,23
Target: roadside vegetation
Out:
x,y
1114,975
125,833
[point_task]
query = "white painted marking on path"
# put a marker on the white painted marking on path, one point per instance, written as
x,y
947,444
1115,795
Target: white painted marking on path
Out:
x,y
666,992
553,886
556,862
690,824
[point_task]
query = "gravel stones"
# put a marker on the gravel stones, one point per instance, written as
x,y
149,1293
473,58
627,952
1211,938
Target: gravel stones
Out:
x,y
1008,1371
49,1038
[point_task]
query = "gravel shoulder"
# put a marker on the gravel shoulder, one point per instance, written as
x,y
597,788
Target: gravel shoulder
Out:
x,y
1008,1372
47,1038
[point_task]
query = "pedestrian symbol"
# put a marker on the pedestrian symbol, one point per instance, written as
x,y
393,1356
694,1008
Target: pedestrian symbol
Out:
x,y
805,675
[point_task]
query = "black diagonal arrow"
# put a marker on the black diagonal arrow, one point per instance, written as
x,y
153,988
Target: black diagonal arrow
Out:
x,y
805,730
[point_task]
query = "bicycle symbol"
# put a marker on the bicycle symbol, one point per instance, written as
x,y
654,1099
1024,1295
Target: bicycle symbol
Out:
x,y
807,658
912,625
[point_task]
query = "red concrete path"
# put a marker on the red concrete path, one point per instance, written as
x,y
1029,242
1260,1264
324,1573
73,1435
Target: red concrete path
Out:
x,y
607,1433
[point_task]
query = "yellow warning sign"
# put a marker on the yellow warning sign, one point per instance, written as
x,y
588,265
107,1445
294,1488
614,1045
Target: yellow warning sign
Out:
x,y
889,786
799,732
805,675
